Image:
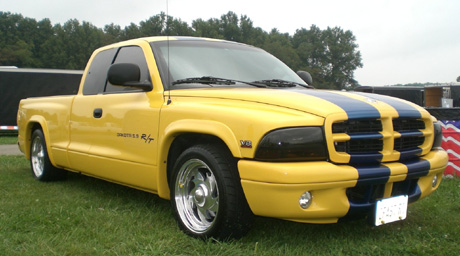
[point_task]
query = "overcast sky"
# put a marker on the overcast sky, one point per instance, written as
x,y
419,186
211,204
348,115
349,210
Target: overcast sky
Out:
x,y
401,41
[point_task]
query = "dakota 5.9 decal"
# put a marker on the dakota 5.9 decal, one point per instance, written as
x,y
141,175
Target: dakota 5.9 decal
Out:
x,y
145,137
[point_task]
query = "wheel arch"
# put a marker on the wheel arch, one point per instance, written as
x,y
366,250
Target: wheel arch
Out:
x,y
206,191
185,133
36,122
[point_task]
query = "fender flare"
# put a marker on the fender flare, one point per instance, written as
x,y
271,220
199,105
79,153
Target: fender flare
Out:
x,y
178,127
40,120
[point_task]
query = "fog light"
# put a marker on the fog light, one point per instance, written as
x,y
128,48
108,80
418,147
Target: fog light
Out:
x,y
305,200
435,181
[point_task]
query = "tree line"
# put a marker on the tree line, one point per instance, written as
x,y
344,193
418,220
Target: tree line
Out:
x,y
330,55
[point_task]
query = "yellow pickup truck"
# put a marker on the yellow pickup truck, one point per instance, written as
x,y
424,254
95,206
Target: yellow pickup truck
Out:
x,y
226,131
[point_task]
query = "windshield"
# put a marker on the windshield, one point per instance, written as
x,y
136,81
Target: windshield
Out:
x,y
228,60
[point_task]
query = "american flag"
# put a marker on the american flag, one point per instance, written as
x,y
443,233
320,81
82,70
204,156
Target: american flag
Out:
x,y
451,144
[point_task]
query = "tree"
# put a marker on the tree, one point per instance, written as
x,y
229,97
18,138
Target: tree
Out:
x,y
20,40
458,79
310,47
131,31
229,27
176,27
18,54
280,46
250,34
154,26
9,28
331,56
210,28
164,25
112,34
45,33
72,45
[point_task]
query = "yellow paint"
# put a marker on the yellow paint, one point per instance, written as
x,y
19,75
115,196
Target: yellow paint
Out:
x,y
114,147
274,189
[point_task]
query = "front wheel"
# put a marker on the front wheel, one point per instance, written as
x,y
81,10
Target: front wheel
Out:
x,y
41,166
206,194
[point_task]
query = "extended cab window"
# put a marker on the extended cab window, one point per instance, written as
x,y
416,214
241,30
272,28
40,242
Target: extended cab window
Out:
x,y
96,77
130,54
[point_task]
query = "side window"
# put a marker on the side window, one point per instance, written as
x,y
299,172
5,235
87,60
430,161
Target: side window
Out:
x,y
130,54
97,74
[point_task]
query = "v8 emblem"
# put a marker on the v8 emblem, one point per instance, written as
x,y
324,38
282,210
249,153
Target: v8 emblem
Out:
x,y
246,143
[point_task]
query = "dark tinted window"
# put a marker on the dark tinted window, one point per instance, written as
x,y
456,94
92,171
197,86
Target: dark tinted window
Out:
x,y
135,55
97,74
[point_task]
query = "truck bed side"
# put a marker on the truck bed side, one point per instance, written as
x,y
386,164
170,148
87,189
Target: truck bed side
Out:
x,y
52,115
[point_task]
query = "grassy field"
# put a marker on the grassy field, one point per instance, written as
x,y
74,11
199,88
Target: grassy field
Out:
x,y
86,216
10,139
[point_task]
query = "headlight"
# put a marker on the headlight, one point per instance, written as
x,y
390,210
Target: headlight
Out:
x,y
293,144
437,135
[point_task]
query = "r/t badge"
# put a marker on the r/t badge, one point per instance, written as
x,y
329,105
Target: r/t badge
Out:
x,y
146,138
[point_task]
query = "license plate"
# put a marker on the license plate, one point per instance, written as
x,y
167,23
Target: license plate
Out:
x,y
390,210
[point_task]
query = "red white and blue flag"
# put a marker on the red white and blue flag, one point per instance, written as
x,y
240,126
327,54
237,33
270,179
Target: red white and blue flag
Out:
x,y
451,143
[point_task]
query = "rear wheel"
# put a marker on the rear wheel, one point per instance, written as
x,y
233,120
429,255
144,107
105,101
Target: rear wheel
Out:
x,y
206,194
41,166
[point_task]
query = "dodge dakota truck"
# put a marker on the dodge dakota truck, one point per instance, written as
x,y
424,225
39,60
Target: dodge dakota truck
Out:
x,y
227,131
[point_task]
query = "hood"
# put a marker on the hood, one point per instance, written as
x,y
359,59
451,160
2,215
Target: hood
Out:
x,y
318,102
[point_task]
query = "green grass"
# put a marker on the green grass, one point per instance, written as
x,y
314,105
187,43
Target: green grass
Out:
x,y
86,216
8,139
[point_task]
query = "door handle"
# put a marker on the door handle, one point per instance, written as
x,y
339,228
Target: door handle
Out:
x,y
97,113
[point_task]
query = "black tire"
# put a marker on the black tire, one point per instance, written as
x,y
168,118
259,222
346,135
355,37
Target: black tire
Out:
x,y
206,194
41,166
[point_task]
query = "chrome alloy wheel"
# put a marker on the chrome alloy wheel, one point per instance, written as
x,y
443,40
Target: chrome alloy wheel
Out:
x,y
196,195
37,155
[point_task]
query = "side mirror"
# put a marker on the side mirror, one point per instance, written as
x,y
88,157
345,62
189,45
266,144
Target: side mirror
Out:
x,y
306,77
127,75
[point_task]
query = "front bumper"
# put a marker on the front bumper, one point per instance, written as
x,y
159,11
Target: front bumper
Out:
x,y
274,189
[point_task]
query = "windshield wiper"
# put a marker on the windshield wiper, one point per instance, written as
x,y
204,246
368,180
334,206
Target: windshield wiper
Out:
x,y
209,80
281,83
